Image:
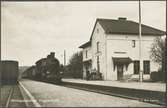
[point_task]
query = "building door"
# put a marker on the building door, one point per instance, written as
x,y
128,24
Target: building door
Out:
x,y
98,64
119,72
146,67
136,66
87,71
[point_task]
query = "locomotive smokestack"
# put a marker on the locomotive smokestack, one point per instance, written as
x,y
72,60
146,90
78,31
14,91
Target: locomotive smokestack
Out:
x,y
52,54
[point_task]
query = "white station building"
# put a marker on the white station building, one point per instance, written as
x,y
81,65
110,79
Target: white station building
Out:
x,y
113,49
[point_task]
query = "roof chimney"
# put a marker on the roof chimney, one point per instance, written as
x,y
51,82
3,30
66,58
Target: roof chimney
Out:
x,y
122,18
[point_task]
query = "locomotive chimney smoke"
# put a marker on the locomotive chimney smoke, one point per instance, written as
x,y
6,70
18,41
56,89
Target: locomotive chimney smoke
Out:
x,y
52,54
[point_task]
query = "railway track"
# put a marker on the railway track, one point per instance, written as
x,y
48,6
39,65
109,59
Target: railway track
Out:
x,y
12,97
9,97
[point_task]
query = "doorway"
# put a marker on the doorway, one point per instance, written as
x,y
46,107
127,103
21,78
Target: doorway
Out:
x,y
119,72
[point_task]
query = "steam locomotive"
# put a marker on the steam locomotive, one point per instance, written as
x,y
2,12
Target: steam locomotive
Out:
x,y
46,69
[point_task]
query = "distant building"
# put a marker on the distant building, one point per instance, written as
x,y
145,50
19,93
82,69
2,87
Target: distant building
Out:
x,y
113,49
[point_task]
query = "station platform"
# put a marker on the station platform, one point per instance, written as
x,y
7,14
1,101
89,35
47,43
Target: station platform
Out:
x,y
143,91
150,86
67,96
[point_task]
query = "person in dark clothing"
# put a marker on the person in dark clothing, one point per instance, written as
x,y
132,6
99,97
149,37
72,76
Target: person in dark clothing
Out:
x,y
87,75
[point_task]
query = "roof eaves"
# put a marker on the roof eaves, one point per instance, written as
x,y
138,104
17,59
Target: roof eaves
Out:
x,y
85,44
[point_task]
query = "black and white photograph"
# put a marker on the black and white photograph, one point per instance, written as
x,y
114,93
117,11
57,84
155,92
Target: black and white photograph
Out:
x,y
83,54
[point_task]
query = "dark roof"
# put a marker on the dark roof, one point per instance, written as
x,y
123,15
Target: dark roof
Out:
x,y
7,61
123,26
85,44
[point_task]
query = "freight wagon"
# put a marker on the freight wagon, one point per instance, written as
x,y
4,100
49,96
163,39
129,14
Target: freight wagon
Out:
x,y
9,72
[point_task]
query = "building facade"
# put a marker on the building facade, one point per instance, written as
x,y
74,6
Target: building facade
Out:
x,y
113,49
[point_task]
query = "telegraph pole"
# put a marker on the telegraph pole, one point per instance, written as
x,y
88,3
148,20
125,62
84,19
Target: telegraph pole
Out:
x,y
165,65
140,58
64,57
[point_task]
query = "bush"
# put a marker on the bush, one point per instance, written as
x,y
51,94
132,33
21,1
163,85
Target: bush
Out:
x,y
156,76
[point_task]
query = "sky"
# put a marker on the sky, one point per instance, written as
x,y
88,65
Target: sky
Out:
x,y
31,30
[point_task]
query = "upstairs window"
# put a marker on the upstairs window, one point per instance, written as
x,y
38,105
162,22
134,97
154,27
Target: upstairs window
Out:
x,y
86,54
133,43
97,46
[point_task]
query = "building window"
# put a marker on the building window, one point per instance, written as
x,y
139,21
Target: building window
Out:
x,y
86,54
98,46
136,67
133,43
97,30
146,66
